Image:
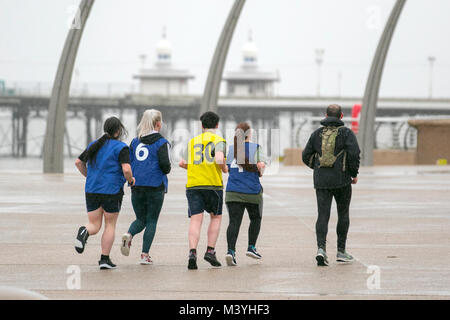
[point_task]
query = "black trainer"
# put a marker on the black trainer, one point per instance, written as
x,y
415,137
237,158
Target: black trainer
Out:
x,y
106,263
211,258
252,253
81,240
321,257
192,264
230,258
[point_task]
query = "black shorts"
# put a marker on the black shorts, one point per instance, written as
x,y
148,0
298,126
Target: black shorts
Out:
x,y
109,203
200,200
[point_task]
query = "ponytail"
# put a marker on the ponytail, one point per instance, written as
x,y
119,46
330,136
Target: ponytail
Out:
x,y
93,149
112,127
241,133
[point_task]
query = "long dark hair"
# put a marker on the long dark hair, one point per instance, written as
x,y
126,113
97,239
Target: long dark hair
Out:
x,y
241,133
111,127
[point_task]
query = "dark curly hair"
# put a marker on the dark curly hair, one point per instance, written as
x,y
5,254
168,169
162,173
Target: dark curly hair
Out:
x,y
209,120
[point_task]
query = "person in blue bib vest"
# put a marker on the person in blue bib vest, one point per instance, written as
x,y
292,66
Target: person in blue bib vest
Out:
x,y
244,191
106,165
150,161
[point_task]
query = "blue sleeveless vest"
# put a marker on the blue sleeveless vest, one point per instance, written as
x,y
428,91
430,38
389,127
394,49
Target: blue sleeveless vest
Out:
x,y
105,175
145,165
240,180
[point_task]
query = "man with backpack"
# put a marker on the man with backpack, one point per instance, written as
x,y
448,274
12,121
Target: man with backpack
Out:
x,y
333,152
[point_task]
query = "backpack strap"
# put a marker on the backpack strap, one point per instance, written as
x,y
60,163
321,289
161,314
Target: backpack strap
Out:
x,y
344,161
311,160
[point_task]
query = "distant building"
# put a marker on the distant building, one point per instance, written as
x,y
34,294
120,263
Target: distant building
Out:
x,y
250,81
163,79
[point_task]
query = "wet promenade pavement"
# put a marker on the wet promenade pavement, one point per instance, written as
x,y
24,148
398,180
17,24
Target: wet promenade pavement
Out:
x,y
399,230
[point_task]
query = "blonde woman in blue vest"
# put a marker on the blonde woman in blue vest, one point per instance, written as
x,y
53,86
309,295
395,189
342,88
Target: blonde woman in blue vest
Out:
x,y
244,191
150,162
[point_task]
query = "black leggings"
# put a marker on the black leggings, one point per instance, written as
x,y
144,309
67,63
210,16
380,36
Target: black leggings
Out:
x,y
236,212
324,199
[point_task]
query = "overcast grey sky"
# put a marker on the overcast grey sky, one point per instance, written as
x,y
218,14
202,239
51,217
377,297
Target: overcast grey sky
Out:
x,y
32,34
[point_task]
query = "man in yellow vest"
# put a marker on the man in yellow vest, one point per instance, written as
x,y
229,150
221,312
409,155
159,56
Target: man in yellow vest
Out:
x,y
205,161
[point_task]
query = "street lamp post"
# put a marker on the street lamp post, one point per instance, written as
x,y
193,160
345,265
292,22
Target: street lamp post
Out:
x,y
143,58
339,83
431,61
319,61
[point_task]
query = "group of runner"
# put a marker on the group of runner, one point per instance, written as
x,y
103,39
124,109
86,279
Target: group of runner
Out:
x,y
107,163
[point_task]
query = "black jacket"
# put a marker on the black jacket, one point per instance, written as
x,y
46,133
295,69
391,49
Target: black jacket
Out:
x,y
335,177
163,151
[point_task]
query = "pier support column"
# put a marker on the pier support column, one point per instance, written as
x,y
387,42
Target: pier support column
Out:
x,y
56,120
212,87
370,100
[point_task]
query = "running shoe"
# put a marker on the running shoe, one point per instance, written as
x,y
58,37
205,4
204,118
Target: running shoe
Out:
x,y
145,259
321,257
192,263
231,258
106,263
81,240
343,256
126,244
212,259
252,253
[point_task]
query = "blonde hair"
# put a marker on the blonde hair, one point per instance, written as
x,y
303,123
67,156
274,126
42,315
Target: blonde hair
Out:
x,y
148,121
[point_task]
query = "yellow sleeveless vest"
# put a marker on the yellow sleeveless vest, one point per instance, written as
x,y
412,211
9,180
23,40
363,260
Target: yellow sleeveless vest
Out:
x,y
202,169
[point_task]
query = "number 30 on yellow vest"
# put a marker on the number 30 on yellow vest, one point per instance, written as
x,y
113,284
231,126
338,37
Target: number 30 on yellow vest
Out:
x,y
202,169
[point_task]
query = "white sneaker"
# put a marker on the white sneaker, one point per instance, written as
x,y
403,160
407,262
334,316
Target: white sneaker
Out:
x,y
126,244
145,259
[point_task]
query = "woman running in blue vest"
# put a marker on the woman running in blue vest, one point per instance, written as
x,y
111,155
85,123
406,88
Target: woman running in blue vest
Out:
x,y
149,154
244,191
106,165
